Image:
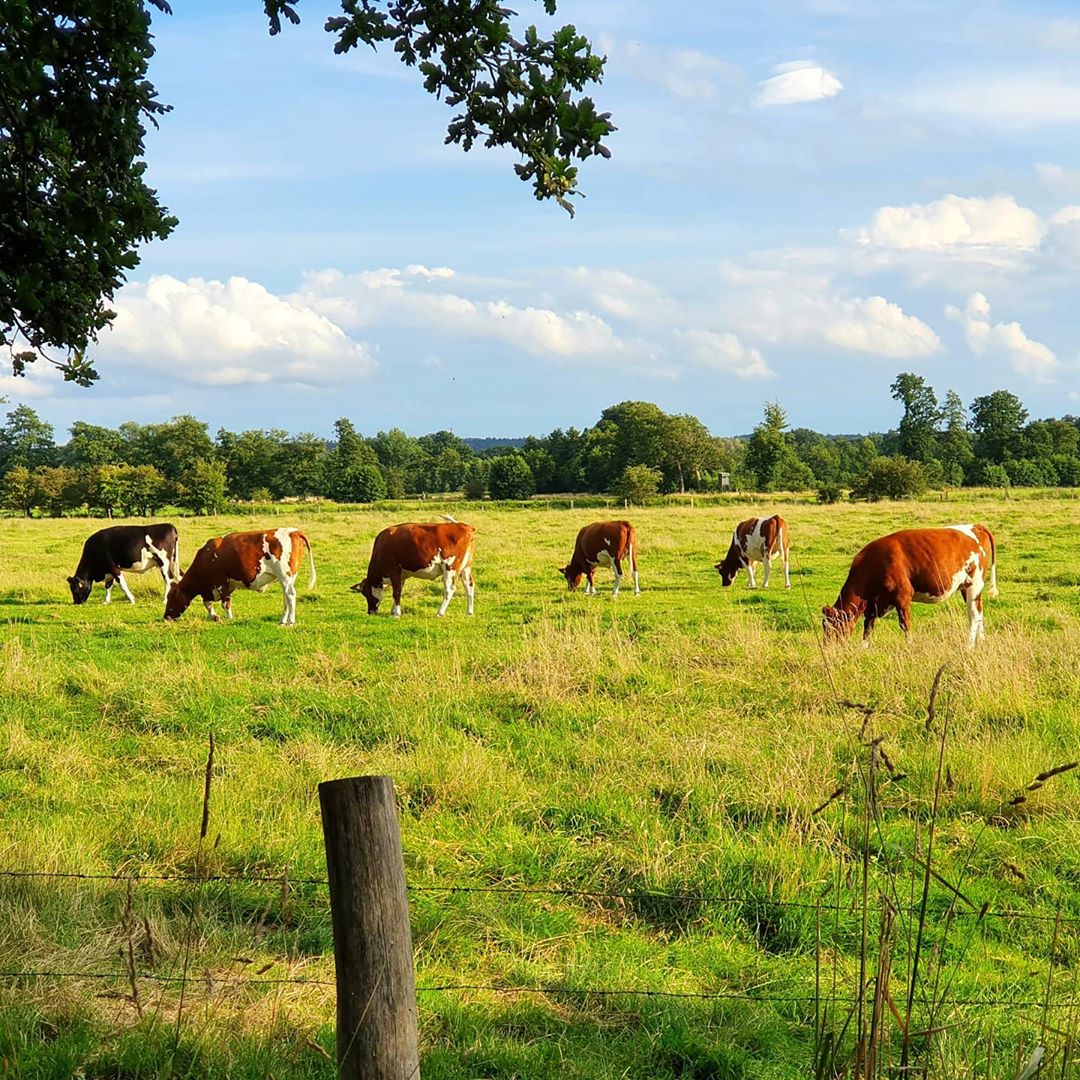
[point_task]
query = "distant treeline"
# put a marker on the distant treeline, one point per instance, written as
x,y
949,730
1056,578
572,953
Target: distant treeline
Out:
x,y
633,451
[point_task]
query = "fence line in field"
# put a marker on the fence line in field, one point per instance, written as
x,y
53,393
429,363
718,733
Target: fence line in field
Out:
x,y
525,890
551,991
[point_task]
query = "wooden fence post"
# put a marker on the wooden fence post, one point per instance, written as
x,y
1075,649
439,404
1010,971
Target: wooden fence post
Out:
x,y
369,908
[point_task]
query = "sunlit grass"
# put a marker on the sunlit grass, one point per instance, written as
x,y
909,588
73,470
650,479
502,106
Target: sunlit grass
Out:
x,y
676,741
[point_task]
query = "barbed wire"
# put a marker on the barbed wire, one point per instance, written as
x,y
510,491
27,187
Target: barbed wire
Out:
x,y
554,991
521,890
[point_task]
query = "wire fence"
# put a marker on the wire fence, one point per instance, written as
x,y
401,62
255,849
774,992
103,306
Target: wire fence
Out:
x,y
751,902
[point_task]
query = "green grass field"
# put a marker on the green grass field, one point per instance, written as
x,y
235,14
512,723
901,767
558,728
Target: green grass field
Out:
x,y
676,742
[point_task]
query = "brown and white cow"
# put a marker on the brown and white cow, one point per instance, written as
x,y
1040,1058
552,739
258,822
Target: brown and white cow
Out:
x,y
756,540
243,560
922,565
442,550
603,543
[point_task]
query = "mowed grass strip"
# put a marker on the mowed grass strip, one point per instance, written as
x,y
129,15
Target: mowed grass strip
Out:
x,y
672,743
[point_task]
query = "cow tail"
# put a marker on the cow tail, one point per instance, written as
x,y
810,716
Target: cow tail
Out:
x,y
993,563
311,558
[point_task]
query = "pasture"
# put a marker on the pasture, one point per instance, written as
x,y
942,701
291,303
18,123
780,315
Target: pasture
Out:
x,y
665,753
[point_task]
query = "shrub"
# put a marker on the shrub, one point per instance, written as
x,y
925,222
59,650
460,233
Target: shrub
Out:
x,y
511,478
637,483
203,487
1067,467
1028,473
128,489
830,493
20,490
891,478
475,486
362,484
996,476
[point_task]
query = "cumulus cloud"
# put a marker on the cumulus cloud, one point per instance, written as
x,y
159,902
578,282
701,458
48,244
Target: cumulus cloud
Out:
x,y
32,385
797,82
724,352
875,325
372,296
623,295
805,311
953,223
1003,340
229,333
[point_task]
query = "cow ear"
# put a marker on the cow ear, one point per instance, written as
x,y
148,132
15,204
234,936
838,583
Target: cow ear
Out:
x,y
71,581
826,610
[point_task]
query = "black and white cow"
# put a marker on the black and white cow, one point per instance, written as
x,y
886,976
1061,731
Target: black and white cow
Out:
x,y
125,549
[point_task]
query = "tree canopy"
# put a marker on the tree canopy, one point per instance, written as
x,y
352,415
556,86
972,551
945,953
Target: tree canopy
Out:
x,y
75,100
633,451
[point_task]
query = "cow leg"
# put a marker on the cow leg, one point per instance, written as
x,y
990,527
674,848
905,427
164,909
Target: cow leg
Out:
x,y
108,588
750,573
470,587
288,588
616,565
448,577
163,566
208,603
226,604
903,613
124,588
768,567
395,584
590,588
975,617
868,623
787,562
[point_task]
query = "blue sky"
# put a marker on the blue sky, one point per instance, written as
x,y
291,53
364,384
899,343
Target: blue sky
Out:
x,y
805,197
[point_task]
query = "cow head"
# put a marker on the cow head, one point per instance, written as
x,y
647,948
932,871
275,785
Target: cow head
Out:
x,y
573,577
80,590
727,569
372,595
836,622
176,603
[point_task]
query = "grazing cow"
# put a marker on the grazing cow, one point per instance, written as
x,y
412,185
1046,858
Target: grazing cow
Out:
x,y
756,540
603,543
243,560
922,565
125,549
443,550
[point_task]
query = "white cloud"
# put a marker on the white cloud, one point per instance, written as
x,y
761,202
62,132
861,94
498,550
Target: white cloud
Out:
x,y
724,352
20,387
1003,340
875,325
376,296
797,82
808,311
1056,33
1036,99
688,74
954,222
417,270
623,295
229,333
